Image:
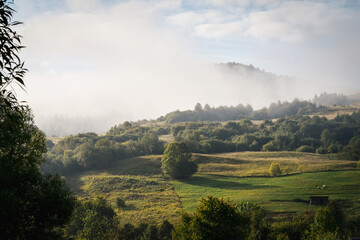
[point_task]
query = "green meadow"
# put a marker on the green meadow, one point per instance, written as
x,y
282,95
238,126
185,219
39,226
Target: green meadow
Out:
x,y
242,176
278,194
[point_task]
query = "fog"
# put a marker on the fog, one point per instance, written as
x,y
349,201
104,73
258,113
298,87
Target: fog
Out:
x,y
92,65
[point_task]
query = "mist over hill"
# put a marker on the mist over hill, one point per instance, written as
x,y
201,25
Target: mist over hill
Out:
x,y
234,91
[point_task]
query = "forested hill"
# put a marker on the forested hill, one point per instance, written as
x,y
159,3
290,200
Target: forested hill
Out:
x,y
275,110
224,113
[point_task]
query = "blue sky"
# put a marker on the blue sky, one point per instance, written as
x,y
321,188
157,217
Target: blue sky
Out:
x,y
147,58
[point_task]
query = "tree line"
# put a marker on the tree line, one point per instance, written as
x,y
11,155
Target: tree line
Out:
x,y
340,136
224,113
299,133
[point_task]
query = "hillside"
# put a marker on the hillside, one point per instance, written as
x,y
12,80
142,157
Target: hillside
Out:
x,y
243,176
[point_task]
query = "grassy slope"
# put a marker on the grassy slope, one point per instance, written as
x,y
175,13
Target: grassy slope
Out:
x,y
148,196
284,194
244,177
238,176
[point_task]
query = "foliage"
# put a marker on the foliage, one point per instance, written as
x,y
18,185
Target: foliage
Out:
x,y
223,113
120,203
11,67
301,133
214,218
321,150
90,151
92,220
305,148
31,204
352,150
95,219
270,146
176,161
292,228
274,169
329,219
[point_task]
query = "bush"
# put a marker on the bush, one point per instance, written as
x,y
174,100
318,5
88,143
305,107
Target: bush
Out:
x,y
333,148
120,203
287,170
321,150
270,146
275,169
176,161
305,148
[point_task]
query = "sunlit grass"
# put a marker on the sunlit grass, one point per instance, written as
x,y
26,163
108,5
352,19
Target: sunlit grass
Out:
x,y
285,193
241,176
258,163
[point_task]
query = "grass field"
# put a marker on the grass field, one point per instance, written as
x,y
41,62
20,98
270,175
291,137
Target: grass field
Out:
x,y
257,163
149,197
280,194
243,176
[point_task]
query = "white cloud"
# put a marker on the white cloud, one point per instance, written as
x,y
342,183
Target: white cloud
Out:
x,y
124,61
192,18
218,30
244,3
83,5
288,22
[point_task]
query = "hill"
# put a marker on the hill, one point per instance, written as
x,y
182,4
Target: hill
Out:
x,y
243,176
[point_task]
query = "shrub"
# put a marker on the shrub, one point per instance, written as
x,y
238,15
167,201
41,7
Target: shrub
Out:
x,y
282,236
270,146
321,150
305,148
275,169
120,203
333,148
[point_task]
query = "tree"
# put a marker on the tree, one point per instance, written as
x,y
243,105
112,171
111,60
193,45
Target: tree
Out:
x,y
214,218
32,205
326,138
198,107
176,161
274,169
352,150
329,223
92,219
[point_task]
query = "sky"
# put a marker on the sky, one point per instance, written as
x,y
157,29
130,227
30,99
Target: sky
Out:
x,y
95,63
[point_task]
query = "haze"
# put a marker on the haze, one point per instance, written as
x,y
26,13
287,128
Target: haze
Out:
x,y
95,63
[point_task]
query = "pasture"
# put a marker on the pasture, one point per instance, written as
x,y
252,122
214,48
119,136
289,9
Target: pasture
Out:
x,y
242,176
278,194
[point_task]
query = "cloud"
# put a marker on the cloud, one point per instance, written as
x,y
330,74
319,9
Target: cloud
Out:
x,y
83,5
191,18
218,30
288,22
128,60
